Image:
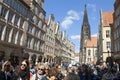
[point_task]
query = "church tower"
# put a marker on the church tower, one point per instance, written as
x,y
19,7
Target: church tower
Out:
x,y
85,35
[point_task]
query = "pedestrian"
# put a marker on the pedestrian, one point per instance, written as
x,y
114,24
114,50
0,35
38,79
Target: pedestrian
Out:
x,y
71,75
60,75
40,74
53,73
47,69
24,73
6,73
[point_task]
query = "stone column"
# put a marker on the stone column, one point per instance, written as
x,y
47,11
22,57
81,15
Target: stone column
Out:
x,y
36,59
6,16
3,33
16,37
10,35
13,19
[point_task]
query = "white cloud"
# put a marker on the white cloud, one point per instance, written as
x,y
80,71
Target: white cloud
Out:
x,y
75,37
70,18
94,35
73,15
66,23
93,6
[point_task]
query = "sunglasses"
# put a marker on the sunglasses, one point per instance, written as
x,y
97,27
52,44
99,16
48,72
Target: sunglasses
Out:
x,y
23,64
40,69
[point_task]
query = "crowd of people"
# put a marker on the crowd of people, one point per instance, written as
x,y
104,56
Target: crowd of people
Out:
x,y
27,70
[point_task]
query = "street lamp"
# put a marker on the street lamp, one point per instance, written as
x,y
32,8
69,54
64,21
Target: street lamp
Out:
x,y
108,51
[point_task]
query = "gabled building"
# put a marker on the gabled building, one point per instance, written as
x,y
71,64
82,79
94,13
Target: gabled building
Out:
x,y
58,48
85,35
116,32
91,51
50,40
22,30
104,37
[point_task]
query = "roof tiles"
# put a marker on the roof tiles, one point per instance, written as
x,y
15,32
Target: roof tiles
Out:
x,y
92,42
107,18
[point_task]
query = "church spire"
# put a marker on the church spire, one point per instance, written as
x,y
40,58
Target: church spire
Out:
x,y
85,26
85,18
85,35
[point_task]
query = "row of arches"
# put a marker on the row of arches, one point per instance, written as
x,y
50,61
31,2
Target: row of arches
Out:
x,y
34,58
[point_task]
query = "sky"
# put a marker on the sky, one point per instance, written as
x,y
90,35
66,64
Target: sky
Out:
x,y
70,15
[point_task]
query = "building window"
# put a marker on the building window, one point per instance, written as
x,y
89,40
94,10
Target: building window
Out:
x,y
37,21
19,38
35,45
14,36
23,11
10,17
107,33
36,32
89,52
21,23
108,45
7,34
16,20
3,12
40,23
30,27
31,17
40,46
17,6
12,3
95,52
28,41
6,1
